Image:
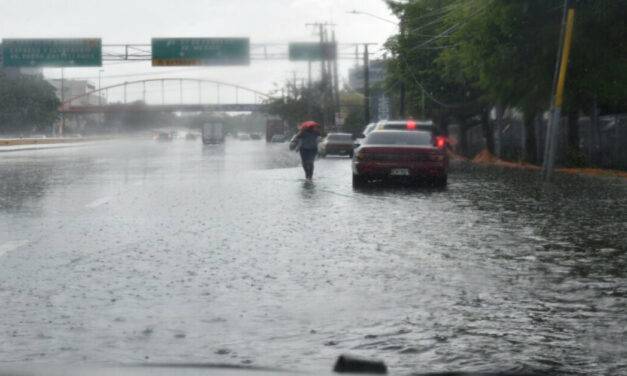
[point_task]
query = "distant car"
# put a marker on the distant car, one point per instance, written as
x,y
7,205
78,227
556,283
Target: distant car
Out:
x,y
255,136
369,128
191,136
163,136
243,137
400,155
404,125
278,138
336,144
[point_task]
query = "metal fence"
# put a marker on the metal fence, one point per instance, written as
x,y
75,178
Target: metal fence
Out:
x,y
602,145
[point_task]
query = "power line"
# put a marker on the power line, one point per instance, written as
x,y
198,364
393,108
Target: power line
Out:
x,y
448,31
439,19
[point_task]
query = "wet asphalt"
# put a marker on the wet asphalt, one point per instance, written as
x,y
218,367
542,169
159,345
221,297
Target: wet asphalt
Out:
x,y
138,251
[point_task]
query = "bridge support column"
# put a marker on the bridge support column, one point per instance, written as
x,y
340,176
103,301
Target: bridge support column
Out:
x,y
162,93
181,90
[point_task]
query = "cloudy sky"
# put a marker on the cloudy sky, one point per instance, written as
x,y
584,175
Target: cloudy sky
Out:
x,y
137,21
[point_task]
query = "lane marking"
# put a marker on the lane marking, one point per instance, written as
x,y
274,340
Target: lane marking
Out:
x,y
12,245
98,202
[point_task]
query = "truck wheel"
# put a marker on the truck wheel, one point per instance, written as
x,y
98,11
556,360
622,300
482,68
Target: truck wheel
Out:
x,y
441,181
359,181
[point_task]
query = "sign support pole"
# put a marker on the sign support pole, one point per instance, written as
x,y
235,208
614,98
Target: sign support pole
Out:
x,y
62,102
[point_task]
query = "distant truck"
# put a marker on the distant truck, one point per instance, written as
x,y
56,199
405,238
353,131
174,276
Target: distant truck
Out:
x,y
212,133
274,127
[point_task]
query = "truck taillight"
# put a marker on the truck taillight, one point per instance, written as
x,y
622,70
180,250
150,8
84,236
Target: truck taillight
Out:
x,y
440,142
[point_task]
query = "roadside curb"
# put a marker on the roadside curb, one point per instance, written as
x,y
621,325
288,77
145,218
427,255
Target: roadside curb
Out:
x,y
44,141
486,158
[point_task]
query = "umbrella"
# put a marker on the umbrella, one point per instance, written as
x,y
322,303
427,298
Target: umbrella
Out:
x,y
309,124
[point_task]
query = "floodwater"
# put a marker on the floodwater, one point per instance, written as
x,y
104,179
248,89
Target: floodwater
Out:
x,y
138,251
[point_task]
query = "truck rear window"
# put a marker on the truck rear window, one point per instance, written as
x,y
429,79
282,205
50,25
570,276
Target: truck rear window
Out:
x,y
420,138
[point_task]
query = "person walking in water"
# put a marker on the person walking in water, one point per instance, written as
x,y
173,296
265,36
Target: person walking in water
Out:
x,y
306,140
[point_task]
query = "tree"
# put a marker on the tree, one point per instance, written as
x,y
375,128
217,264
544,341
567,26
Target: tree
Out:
x,y
27,103
435,86
300,104
510,48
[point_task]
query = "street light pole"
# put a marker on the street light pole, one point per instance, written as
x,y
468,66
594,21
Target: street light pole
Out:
x,y
62,102
366,85
100,86
367,73
100,115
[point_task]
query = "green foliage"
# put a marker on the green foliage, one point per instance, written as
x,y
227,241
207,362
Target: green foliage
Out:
x,y
27,103
425,34
300,104
469,55
511,48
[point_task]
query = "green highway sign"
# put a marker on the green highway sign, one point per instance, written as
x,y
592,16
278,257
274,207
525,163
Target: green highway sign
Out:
x,y
303,51
85,52
200,51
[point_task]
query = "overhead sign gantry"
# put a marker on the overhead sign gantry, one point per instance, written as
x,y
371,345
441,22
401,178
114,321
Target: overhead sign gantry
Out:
x,y
74,52
312,51
200,51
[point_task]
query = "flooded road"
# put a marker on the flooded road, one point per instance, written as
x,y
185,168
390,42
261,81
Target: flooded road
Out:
x,y
133,251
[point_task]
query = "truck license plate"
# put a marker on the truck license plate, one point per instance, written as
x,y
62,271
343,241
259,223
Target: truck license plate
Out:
x,y
399,172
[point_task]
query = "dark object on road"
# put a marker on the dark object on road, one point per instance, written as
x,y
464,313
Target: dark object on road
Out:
x,y
255,136
348,364
274,127
306,142
336,144
212,133
401,155
191,136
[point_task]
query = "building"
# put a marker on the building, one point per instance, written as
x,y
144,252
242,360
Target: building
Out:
x,y
376,75
379,102
77,88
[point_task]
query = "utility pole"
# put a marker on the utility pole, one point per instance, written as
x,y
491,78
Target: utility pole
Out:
x,y
294,85
336,84
62,102
100,115
366,85
401,109
309,74
324,72
559,80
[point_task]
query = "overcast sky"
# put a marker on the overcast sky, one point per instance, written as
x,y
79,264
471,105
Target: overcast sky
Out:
x,y
137,21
